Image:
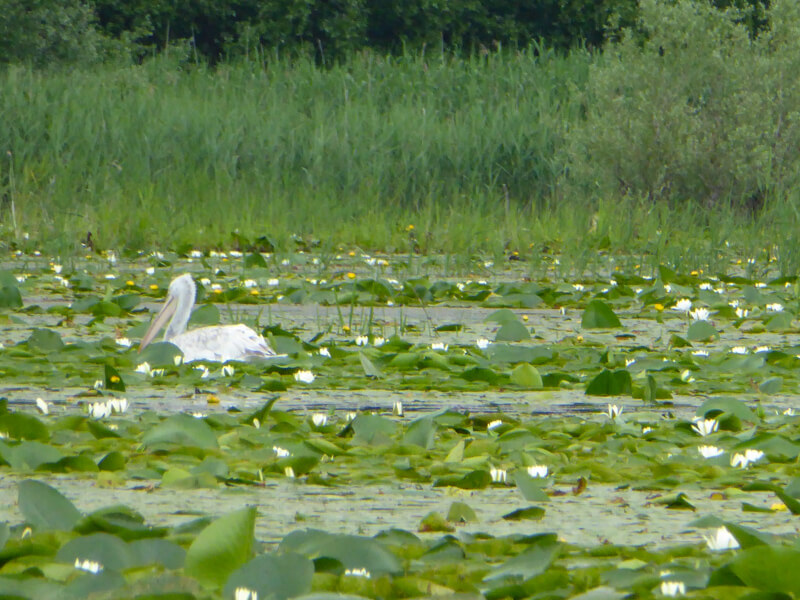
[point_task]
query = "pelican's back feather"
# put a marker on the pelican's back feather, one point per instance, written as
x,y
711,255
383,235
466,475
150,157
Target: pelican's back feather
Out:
x,y
221,343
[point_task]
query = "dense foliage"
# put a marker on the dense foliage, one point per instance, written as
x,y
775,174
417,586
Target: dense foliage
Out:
x,y
63,30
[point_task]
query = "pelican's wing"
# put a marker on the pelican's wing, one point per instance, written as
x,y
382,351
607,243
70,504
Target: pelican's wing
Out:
x,y
222,343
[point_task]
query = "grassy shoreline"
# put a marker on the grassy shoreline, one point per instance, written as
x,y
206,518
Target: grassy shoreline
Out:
x,y
469,152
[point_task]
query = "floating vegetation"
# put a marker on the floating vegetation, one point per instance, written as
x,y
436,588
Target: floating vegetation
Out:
x,y
675,382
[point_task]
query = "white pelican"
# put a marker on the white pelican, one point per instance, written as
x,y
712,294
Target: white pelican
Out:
x,y
219,343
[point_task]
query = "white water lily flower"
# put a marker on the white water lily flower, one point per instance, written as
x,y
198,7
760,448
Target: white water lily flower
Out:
x,y
98,410
323,351
199,415
482,343
710,451
682,305
705,286
228,370
204,372
98,384
397,408
775,307
439,346
350,416
289,472
758,349
150,270
668,288
494,424
285,262
123,341
578,287
243,593
686,376
42,406
256,423
461,286
742,313
705,427
537,470
304,376
700,314
371,261
144,368
234,254
743,460
378,341
498,475
118,405
64,282
273,282
629,361
488,264
216,287
357,573
613,411
646,430
319,419
56,269
721,539
91,566
21,278
249,283
280,452
700,353
738,350
196,254
789,412
673,588
362,340
110,276
757,284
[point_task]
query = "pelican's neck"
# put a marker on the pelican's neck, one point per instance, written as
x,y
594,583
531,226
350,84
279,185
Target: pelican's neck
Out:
x,y
183,289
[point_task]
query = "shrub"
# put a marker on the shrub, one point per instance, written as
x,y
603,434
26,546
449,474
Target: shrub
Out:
x,y
43,32
688,106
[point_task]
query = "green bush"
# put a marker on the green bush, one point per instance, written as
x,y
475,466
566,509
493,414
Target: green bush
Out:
x,y
688,106
43,32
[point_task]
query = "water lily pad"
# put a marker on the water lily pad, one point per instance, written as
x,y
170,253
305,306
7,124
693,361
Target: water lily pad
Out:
x,y
512,331
526,376
353,552
527,564
598,315
112,380
181,429
278,576
701,331
10,296
45,341
460,512
769,568
529,513
108,550
222,547
45,507
611,383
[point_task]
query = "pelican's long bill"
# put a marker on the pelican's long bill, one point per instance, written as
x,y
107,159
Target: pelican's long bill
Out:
x,y
158,323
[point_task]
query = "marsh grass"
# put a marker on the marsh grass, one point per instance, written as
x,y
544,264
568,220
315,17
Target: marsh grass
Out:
x,y
166,155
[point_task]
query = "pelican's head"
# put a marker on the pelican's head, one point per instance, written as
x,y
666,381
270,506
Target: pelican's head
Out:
x,y
178,306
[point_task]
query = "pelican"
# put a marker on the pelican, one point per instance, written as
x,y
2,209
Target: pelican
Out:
x,y
219,343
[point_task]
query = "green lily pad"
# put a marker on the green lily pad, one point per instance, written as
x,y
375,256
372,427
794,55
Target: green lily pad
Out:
x,y
222,547
598,315
45,507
